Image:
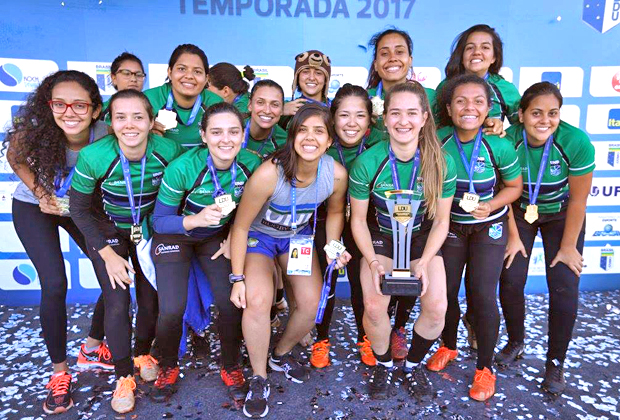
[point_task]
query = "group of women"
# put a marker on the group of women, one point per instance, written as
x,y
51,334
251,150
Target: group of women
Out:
x,y
258,190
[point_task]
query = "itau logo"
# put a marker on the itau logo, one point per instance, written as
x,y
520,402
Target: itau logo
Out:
x,y
602,15
24,274
10,75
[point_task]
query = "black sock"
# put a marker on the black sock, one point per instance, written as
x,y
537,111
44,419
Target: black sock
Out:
x,y
279,294
478,367
384,359
419,348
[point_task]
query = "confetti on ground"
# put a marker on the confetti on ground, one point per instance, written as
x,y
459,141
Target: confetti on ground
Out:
x,y
338,391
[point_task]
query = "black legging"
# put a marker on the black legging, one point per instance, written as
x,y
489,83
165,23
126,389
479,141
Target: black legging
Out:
x,y
172,279
38,232
353,273
479,246
117,304
563,284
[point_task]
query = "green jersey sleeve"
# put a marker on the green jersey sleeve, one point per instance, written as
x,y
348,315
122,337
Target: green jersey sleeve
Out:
x,y
507,160
359,182
449,181
580,152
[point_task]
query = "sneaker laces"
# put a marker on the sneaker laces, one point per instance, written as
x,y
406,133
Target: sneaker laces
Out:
x,y
145,361
234,377
104,352
510,347
256,388
556,372
380,375
166,376
364,346
484,377
321,348
400,337
420,377
59,384
126,385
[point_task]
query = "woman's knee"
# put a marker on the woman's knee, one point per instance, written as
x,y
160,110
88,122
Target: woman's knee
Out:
x,y
258,302
375,308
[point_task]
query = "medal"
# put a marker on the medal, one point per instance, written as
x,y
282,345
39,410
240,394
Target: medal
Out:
x,y
223,200
334,248
226,203
531,213
469,202
167,118
136,234
347,212
402,213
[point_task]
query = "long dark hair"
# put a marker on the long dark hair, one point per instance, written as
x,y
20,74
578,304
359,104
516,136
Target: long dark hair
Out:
x,y
448,91
455,63
286,156
39,142
539,89
373,76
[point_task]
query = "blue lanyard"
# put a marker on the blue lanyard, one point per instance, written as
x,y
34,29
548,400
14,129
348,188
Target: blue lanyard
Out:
x,y
216,182
541,169
61,189
294,201
194,112
246,138
379,90
469,167
360,149
325,291
237,98
135,215
486,76
327,102
414,170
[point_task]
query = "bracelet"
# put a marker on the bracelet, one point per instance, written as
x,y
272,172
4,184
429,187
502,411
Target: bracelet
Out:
x,y
232,278
370,263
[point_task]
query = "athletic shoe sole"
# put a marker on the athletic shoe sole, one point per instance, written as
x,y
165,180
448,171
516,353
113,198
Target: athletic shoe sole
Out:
x,y
91,365
258,416
58,410
277,368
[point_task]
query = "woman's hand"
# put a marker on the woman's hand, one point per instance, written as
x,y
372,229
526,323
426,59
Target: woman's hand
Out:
x,y
117,267
513,248
224,250
159,129
571,257
482,211
209,216
48,204
495,127
237,294
420,268
377,271
291,108
342,260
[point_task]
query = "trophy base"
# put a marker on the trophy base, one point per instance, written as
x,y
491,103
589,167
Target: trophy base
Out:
x,y
401,286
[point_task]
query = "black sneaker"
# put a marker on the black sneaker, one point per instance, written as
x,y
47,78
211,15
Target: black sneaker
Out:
x,y
292,369
380,382
418,384
59,397
510,353
201,348
255,405
554,382
165,385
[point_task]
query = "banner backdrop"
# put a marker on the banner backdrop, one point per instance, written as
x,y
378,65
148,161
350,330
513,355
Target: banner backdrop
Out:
x,y
573,43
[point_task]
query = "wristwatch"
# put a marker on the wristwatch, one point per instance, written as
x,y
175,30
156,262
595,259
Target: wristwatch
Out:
x,y
234,278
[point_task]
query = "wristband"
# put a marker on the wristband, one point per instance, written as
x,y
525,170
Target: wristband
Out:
x,y
370,263
235,278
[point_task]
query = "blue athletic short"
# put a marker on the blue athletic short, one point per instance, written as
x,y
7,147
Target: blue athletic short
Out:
x,y
262,243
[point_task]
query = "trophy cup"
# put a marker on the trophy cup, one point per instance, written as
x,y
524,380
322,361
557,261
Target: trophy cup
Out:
x,y
402,210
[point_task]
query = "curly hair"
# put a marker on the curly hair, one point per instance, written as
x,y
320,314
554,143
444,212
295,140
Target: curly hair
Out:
x,y
39,142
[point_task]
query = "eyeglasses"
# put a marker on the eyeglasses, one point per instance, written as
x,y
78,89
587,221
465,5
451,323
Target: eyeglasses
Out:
x,y
60,107
128,73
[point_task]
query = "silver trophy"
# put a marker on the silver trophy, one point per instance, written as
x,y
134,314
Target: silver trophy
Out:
x,y
402,210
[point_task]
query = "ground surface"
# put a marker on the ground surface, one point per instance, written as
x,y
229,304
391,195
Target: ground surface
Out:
x,y
337,392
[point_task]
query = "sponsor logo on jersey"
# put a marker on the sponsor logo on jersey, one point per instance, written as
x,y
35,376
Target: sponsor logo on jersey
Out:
x,y
555,167
19,75
384,185
452,235
480,165
496,230
377,243
554,77
167,249
238,191
157,176
601,15
202,191
613,121
117,182
24,274
252,242
607,258
112,241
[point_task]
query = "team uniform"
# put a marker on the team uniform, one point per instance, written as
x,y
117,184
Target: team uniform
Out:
x,y
570,154
275,141
505,99
241,102
479,244
101,208
187,131
105,113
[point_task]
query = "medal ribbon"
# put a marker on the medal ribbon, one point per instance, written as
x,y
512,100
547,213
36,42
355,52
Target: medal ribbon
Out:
x,y
414,170
195,108
216,182
246,138
135,215
62,186
294,201
327,103
379,91
327,285
541,169
469,167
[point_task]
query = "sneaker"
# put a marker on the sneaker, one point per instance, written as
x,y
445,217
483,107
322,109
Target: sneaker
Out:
x,y
554,382
123,399
483,386
59,397
255,405
165,385
320,354
100,358
275,320
291,368
368,357
380,382
471,334
441,358
147,366
201,347
510,353
398,342
281,305
235,381
418,384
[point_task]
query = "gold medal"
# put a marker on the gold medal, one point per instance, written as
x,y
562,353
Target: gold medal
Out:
x,y
402,213
469,202
136,234
531,213
226,203
347,212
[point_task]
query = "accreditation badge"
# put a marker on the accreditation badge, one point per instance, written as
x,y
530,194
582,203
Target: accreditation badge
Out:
x,y
531,213
167,118
469,202
300,255
226,203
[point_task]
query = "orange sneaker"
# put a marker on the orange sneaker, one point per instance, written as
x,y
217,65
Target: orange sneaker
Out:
x,y
235,381
148,367
368,357
320,354
483,386
398,341
123,399
441,358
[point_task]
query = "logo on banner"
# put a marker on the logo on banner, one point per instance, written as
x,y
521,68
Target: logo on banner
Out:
x,y
10,74
104,79
608,229
613,121
602,15
554,77
607,258
24,274
613,154
615,82
334,84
